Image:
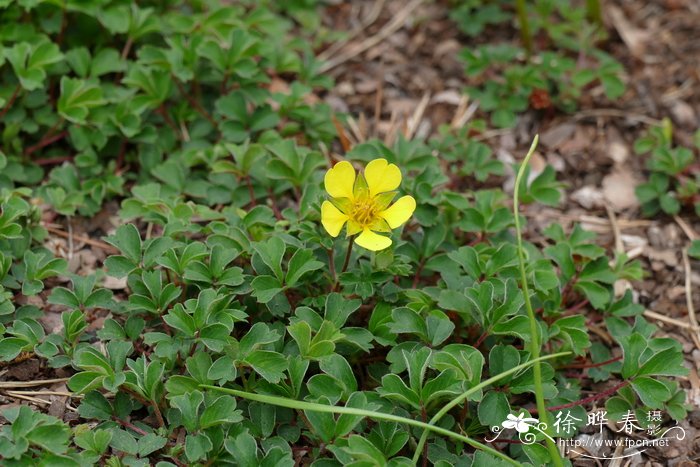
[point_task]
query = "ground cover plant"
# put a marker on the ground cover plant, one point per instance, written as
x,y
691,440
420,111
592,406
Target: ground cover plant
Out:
x,y
264,291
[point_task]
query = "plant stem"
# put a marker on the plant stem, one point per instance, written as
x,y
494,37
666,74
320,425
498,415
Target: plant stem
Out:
x,y
419,270
251,191
457,400
594,11
534,327
594,397
331,267
351,242
303,405
525,34
591,365
11,100
273,202
195,105
45,141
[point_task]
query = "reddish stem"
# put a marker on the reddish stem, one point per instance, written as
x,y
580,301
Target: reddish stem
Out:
x,y
130,426
121,155
224,82
127,48
275,209
251,192
331,267
54,160
592,365
592,398
45,141
7,107
419,270
345,263
195,105
578,306
164,113
481,339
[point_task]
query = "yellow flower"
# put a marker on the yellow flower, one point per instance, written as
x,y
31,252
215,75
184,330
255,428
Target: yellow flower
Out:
x,y
362,201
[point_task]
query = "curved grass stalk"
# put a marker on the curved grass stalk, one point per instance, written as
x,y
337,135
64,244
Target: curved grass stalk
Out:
x,y
303,405
427,427
594,11
534,328
524,21
457,400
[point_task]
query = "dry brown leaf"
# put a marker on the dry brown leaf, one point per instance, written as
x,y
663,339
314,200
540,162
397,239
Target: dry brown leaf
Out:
x,y
635,39
618,189
557,135
589,197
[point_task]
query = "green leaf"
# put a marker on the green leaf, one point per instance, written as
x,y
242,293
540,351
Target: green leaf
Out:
x,y
271,253
127,240
301,263
244,449
79,59
694,249
123,441
219,412
493,408
77,98
268,364
52,437
653,393
150,443
265,288
31,61
668,362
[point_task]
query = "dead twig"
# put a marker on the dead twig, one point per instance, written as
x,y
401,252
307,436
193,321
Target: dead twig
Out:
x,y
687,229
35,400
29,384
391,27
96,243
49,393
357,133
619,246
695,334
666,319
464,112
379,97
616,113
367,22
622,224
414,121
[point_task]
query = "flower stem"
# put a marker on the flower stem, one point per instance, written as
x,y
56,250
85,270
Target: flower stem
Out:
x,y
331,266
534,327
351,242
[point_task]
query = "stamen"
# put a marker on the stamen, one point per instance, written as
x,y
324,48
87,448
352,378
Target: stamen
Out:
x,y
364,211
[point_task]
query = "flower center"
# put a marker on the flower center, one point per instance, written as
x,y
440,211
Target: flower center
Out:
x,y
364,211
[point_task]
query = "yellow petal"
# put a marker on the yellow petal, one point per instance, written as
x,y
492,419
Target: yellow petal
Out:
x,y
382,176
340,179
399,212
332,219
372,241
